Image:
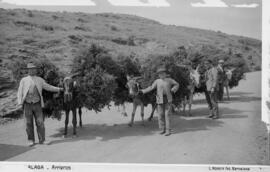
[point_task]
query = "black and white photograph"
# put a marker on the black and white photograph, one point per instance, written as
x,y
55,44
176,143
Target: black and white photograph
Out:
x,y
160,82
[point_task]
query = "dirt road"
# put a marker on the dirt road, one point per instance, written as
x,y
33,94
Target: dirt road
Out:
x,y
239,137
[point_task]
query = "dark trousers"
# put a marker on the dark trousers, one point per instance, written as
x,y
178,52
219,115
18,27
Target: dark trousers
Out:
x,y
211,98
164,112
34,111
220,91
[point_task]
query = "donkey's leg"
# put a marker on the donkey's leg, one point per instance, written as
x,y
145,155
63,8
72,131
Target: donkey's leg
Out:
x,y
153,110
227,91
66,122
124,112
133,114
190,103
80,116
184,105
74,120
142,113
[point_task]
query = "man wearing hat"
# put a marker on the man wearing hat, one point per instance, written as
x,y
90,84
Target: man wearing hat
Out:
x,y
165,87
221,79
30,98
211,76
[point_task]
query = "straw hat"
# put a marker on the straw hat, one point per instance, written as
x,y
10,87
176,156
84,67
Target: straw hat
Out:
x,y
221,61
31,66
162,69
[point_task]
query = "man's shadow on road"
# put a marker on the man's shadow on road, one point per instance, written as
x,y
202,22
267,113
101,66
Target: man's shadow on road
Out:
x,y
8,151
242,97
224,112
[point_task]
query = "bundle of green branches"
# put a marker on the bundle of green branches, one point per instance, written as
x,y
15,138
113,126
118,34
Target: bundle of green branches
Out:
x,y
95,71
128,66
197,55
238,63
52,101
50,73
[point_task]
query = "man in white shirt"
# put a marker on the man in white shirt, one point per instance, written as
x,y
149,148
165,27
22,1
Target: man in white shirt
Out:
x,y
211,76
221,79
31,99
165,86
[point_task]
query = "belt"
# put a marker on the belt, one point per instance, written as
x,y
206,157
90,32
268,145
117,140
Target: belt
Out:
x,y
32,102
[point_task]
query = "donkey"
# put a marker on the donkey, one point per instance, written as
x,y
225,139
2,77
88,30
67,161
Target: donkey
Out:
x,y
71,103
193,82
227,81
138,100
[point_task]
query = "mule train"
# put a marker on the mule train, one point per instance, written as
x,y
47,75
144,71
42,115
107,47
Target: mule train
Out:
x,y
72,101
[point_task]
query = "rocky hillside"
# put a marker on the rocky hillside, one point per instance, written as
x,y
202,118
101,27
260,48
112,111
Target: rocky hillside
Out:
x,y
59,36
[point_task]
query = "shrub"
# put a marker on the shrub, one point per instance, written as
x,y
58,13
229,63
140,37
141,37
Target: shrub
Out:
x,y
28,41
47,28
75,38
81,20
120,41
16,67
30,14
125,41
114,28
257,68
55,17
80,28
23,23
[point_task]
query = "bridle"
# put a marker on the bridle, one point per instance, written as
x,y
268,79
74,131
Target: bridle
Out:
x,y
135,86
68,86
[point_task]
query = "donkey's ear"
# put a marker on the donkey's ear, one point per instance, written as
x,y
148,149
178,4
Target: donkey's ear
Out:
x,y
198,67
75,84
138,78
61,84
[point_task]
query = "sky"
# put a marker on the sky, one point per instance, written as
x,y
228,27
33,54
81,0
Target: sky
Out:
x,y
238,17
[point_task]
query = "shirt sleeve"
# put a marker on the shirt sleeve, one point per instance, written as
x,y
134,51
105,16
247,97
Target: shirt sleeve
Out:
x,y
150,88
20,92
49,87
175,84
215,77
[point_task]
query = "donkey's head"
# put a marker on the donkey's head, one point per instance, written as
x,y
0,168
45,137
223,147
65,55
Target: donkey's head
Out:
x,y
195,76
68,85
229,73
133,86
